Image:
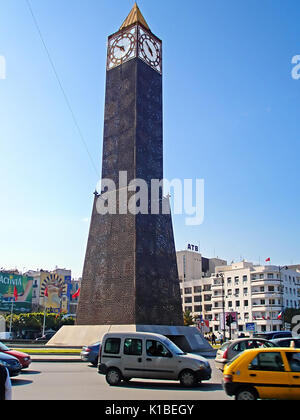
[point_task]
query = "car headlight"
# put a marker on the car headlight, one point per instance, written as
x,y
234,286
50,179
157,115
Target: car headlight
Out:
x,y
204,365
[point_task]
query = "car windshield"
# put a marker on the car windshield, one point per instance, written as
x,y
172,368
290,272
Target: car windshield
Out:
x,y
3,347
172,347
265,336
268,344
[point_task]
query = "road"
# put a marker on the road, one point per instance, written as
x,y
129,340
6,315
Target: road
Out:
x,y
80,381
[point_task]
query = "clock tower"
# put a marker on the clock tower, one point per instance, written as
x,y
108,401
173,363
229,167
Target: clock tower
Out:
x,y
130,274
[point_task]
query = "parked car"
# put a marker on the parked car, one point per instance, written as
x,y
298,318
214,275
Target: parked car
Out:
x,y
270,335
152,356
11,363
286,342
45,337
91,353
23,358
231,349
265,373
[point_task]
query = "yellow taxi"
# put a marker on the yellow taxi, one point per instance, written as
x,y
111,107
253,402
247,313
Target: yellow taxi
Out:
x,y
264,373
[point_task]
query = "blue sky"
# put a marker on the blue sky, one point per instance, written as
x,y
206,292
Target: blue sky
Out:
x,y
231,117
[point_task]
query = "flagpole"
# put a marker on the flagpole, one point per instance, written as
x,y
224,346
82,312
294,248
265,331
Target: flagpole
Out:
x,y
11,314
44,322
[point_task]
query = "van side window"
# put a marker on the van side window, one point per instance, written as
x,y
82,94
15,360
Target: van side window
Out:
x,y
156,349
133,347
268,362
112,346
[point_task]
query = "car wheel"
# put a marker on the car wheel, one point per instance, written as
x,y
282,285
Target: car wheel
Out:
x,y
246,394
113,377
187,378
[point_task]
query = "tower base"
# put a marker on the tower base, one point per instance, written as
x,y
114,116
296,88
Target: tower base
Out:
x,y
189,339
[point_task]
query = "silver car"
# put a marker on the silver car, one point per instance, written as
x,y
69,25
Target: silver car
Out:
x,y
230,349
287,342
129,355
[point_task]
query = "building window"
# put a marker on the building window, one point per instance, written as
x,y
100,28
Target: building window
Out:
x,y
198,308
271,301
197,289
188,299
188,290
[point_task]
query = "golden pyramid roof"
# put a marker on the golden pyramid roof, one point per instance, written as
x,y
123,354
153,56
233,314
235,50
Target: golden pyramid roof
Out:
x,y
135,16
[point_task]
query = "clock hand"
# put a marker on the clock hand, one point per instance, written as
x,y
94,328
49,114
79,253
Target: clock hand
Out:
x,y
149,48
120,47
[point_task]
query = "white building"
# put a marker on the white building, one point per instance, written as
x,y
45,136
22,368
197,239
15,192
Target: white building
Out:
x,y
195,283
256,293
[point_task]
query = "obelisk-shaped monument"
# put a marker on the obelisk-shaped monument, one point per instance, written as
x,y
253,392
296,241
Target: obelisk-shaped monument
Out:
x,y
130,272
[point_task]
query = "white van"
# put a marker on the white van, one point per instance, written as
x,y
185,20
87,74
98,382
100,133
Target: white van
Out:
x,y
152,356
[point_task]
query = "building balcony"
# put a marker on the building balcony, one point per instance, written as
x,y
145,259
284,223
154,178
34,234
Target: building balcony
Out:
x,y
266,307
217,285
217,297
266,295
266,282
261,321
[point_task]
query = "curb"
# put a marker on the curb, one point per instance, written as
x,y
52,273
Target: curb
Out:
x,y
55,359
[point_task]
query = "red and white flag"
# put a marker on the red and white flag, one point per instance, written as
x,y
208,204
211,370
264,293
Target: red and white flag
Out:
x,y
76,295
15,293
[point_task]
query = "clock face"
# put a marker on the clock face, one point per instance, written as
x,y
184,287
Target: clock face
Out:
x,y
134,42
121,48
150,50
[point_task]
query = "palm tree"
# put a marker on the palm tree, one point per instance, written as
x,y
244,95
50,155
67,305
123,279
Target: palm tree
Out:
x,y
188,318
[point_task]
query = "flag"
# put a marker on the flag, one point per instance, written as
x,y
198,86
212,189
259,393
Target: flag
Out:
x,y
280,315
268,259
15,293
46,292
76,295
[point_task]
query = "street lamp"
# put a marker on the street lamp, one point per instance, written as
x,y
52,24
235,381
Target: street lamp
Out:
x,y
285,267
223,303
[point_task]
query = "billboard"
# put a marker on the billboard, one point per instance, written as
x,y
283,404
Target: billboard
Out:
x,y
55,292
24,287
